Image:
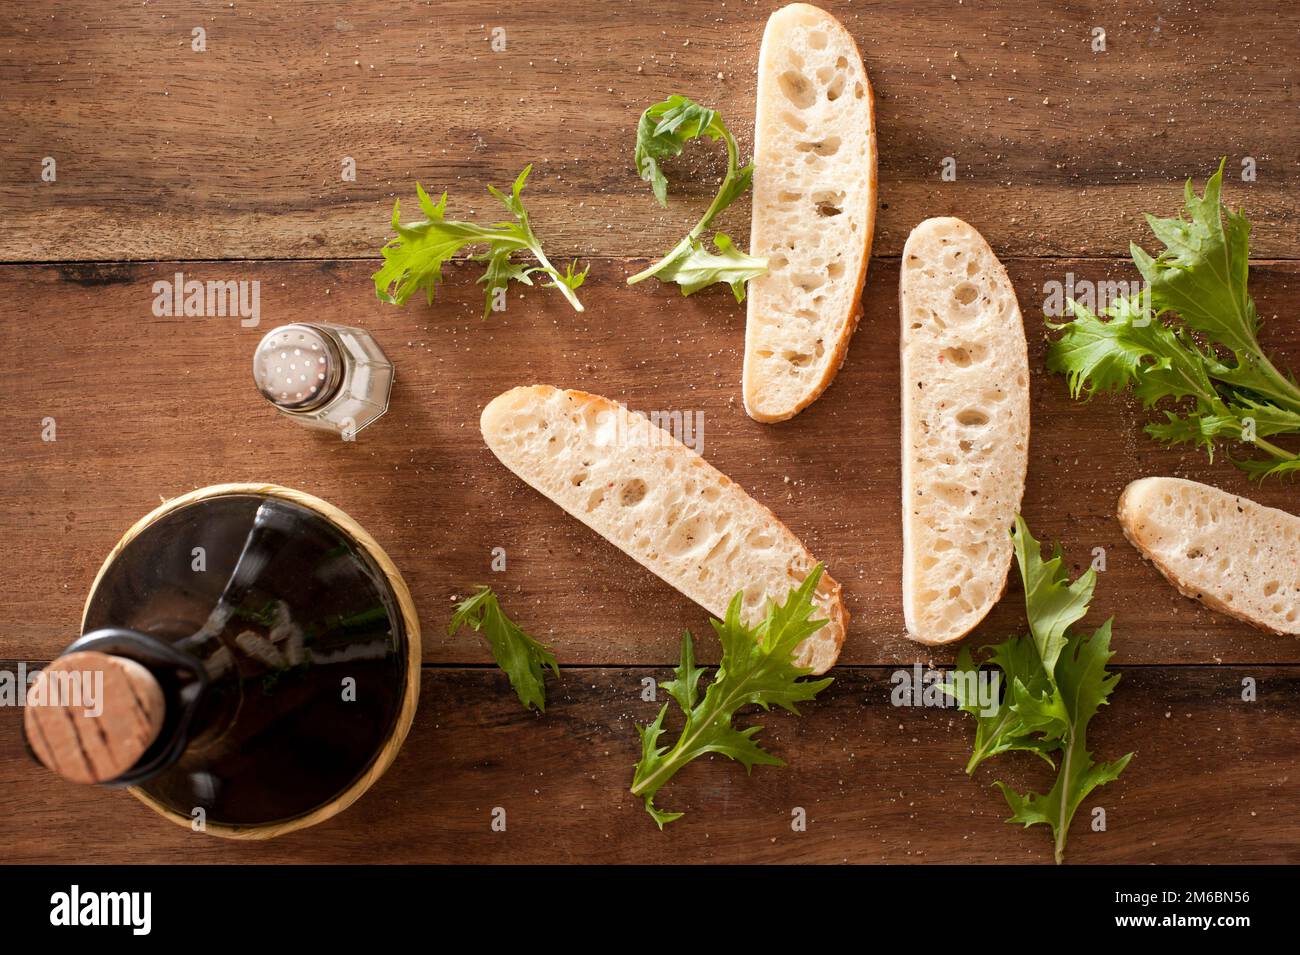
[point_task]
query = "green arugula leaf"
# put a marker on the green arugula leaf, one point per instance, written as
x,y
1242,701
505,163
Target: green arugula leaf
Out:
x,y
1261,469
662,133
1053,604
515,652
414,259
1201,274
1084,686
651,754
1266,419
693,266
1010,723
757,668
1199,278
686,688
1054,681
1131,350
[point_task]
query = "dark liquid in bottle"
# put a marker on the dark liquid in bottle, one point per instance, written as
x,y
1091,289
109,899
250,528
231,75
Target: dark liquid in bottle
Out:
x,y
302,641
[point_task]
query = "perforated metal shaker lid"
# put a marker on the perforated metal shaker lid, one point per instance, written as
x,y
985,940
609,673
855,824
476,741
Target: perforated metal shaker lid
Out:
x,y
298,367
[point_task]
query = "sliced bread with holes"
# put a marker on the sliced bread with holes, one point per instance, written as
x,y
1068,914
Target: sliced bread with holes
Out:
x,y
1231,554
651,496
814,209
965,383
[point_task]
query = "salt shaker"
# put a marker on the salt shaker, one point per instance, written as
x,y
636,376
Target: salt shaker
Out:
x,y
324,376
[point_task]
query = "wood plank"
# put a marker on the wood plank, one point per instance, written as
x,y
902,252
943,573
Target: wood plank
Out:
x,y
236,152
150,407
1214,780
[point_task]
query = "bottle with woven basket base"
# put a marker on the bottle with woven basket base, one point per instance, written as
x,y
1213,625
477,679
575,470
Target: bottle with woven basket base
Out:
x,y
248,665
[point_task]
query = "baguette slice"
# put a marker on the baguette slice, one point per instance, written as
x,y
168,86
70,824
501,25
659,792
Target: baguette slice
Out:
x,y
660,502
1231,554
814,209
965,378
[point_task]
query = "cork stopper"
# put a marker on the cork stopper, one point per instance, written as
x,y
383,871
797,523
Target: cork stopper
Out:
x,y
91,716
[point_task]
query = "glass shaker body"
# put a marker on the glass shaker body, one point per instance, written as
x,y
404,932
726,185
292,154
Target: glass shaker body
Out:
x,y
330,377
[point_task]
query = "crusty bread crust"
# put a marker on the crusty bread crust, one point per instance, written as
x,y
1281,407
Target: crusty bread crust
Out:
x,y
644,491
797,337
965,423
1233,555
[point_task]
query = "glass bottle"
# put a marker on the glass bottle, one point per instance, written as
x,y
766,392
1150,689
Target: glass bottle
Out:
x,y
286,649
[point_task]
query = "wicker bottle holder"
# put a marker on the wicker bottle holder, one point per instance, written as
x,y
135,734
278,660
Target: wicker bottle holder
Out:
x,y
286,753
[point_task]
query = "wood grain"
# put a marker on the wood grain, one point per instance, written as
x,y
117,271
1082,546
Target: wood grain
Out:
x,y
237,152
1213,780
150,407
234,155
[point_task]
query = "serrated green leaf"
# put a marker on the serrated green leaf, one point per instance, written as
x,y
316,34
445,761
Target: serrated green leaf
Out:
x,y
694,265
1265,419
1201,273
662,132
1200,431
1132,349
1084,686
1266,468
1008,725
413,260
569,278
650,749
685,689
1052,603
1055,680
661,817
757,668
1172,342
520,656
500,272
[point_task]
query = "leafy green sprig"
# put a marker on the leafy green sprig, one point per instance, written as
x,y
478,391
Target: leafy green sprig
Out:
x,y
414,259
521,657
757,668
1190,337
662,132
1054,680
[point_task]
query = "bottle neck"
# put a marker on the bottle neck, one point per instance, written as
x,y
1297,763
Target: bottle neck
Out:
x,y
117,708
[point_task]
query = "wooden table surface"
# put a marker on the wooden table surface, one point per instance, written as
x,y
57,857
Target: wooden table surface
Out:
x,y
226,164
